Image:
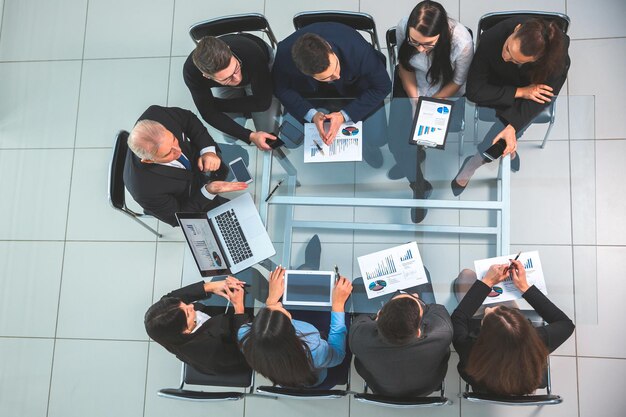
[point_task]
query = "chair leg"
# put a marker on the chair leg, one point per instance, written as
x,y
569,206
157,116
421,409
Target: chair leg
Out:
x,y
476,126
461,140
147,227
545,138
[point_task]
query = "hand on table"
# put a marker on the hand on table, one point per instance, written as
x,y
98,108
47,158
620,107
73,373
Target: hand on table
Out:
x,y
336,119
260,140
496,274
209,162
218,187
519,276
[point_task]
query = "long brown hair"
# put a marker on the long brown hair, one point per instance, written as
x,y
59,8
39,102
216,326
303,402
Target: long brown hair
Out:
x,y
273,349
508,358
544,40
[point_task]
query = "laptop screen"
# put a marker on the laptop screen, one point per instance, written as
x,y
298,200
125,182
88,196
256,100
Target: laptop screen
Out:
x,y
202,242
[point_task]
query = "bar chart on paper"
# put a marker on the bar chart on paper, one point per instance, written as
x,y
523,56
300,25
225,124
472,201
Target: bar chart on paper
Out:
x,y
385,267
346,147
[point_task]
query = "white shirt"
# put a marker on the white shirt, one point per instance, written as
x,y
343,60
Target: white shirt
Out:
x,y
461,54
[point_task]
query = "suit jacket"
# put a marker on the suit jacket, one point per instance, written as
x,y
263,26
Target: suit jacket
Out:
x,y
363,74
416,368
491,82
213,348
163,190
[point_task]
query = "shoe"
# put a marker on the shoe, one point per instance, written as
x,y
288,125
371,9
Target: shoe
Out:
x,y
373,156
395,172
515,163
418,213
312,253
457,189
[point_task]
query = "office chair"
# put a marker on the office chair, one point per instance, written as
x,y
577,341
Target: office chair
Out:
x,y
191,376
520,400
357,20
457,121
402,402
239,23
489,20
117,191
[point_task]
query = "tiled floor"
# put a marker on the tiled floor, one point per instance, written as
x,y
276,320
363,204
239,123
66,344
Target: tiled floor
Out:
x,y
76,277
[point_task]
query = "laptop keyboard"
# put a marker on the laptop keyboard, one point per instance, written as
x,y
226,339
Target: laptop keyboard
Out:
x,y
233,236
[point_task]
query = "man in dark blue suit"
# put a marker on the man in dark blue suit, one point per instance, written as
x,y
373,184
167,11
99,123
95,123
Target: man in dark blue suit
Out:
x,y
325,60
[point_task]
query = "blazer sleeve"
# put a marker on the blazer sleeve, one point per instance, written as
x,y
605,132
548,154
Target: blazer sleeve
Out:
x,y
377,85
462,315
358,325
192,126
559,328
190,293
285,81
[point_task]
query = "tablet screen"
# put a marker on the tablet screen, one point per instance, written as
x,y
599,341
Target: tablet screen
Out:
x,y
308,287
431,122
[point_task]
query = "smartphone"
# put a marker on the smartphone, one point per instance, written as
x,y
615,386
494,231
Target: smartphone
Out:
x,y
291,133
495,151
275,143
240,171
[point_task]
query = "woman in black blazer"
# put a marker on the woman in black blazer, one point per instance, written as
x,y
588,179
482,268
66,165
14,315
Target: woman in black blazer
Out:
x,y
503,353
201,336
519,67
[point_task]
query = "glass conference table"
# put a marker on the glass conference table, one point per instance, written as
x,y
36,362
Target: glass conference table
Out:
x,y
356,208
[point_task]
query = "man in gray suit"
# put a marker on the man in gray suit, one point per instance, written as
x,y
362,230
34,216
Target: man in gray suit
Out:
x,y
404,350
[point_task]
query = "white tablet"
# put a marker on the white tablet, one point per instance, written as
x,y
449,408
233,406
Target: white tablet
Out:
x,y
431,122
308,288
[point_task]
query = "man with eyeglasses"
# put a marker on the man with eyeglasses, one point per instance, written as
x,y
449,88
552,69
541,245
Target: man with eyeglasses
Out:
x,y
404,350
229,80
332,60
173,165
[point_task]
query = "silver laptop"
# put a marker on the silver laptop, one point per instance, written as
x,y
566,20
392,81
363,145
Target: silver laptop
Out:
x,y
227,239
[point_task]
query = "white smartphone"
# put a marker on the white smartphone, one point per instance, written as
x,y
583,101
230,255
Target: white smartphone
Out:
x,y
240,171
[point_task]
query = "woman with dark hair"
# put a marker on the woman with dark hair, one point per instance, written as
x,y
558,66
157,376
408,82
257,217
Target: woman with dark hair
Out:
x,y
199,335
290,352
504,354
519,67
435,53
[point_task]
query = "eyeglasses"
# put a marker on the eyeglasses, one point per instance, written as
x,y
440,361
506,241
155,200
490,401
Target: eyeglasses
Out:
x,y
423,45
237,70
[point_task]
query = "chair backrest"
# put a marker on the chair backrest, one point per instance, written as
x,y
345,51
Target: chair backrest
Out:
x,y
403,402
392,43
248,22
357,20
491,19
117,193
301,393
192,376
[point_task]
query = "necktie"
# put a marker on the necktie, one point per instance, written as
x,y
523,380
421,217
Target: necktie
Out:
x,y
183,160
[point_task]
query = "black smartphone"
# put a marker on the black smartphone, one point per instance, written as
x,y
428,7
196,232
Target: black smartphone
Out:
x,y
495,151
291,133
275,143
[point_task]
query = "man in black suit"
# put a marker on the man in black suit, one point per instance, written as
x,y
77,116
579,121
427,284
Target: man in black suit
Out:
x,y
199,335
404,350
169,153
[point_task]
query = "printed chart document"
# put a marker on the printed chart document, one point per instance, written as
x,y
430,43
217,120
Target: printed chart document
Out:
x,y
431,122
347,146
506,290
392,269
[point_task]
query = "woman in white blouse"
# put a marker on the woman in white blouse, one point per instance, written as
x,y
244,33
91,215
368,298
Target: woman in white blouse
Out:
x,y
435,53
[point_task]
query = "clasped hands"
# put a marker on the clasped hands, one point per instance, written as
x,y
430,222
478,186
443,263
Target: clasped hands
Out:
x,y
231,288
335,118
341,290
499,272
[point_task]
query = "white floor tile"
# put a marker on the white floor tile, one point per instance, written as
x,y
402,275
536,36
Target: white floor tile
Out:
x,y
601,378
91,216
544,176
261,407
603,20
178,94
600,58
41,30
43,106
584,182
34,314
117,369
135,33
563,371
280,14
168,269
610,202
471,11
106,289
114,93
35,185
386,17
164,372
189,12
25,368
600,337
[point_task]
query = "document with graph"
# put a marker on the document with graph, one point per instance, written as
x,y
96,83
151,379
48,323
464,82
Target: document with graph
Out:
x,y
347,146
506,290
393,269
431,122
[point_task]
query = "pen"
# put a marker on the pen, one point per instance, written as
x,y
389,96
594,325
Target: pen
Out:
x,y
516,258
336,273
227,305
273,190
319,148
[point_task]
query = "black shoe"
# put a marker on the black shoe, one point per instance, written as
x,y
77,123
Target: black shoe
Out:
x,y
418,213
373,156
515,163
395,172
312,253
457,189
